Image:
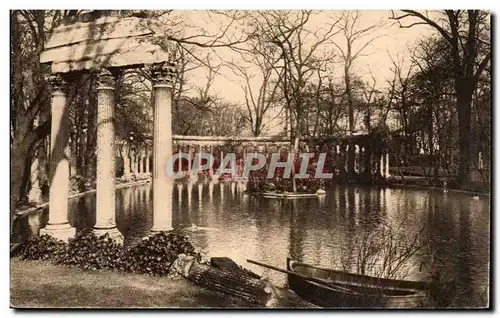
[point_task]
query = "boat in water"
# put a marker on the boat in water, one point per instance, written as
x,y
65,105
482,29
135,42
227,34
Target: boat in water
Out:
x,y
332,288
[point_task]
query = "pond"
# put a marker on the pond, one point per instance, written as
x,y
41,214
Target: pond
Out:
x,y
452,228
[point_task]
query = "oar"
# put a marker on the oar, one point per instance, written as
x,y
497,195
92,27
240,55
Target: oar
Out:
x,y
312,279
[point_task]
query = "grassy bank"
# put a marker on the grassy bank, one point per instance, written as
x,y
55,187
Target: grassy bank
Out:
x,y
36,284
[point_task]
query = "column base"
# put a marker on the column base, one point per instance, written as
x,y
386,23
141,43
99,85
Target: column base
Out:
x,y
61,232
113,233
157,229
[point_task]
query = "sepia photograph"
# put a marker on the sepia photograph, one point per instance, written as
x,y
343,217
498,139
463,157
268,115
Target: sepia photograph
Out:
x,y
256,159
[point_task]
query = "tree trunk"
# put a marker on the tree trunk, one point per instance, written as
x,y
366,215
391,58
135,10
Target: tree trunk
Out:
x,y
90,156
19,152
233,283
350,106
464,129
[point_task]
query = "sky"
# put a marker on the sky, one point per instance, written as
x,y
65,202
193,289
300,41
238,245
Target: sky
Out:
x,y
392,41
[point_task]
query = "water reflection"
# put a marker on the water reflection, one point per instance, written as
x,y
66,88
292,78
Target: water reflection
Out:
x,y
319,231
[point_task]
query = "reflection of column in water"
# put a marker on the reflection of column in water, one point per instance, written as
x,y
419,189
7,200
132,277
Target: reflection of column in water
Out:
x,y
233,188
135,199
221,185
244,197
351,205
297,224
180,188
342,201
346,210
321,200
148,205
211,191
126,202
190,191
200,194
119,207
357,205
383,206
336,203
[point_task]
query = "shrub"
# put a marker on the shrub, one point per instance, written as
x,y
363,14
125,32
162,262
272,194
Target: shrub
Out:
x,y
43,247
89,251
153,256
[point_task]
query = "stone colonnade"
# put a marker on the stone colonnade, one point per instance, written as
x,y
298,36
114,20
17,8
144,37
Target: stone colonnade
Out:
x,y
136,160
58,225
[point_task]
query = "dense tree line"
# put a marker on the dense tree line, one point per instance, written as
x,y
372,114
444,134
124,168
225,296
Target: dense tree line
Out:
x,y
437,102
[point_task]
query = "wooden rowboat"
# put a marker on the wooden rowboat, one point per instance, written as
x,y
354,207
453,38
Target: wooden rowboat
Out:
x,y
331,288
287,195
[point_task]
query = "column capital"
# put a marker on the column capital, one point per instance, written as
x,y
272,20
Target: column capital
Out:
x,y
163,74
58,84
105,79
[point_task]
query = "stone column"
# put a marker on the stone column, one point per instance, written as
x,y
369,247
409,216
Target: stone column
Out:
x,y
179,160
142,155
356,158
133,162
221,158
58,225
381,165
137,155
147,162
126,161
189,161
200,151
138,163
162,75
105,183
211,168
387,174
346,156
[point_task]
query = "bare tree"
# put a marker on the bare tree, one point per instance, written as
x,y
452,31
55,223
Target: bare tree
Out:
x,y
258,100
468,34
357,40
298,59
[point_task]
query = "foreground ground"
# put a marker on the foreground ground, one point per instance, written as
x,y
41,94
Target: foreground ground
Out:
x,y
37,284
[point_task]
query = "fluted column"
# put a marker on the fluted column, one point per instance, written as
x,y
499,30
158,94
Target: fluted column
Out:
x,y
126,160
211,168
142,155
200,151
381,165
136,163
163,183
58,225
179,160
189,161
148,152
133,162
105,183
